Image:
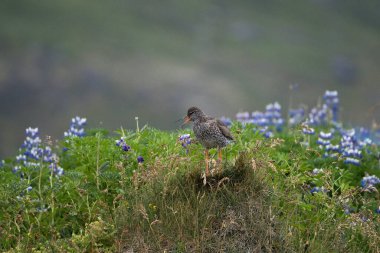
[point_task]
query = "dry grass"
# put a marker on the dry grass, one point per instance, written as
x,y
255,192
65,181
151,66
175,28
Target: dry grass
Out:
x,y
178,213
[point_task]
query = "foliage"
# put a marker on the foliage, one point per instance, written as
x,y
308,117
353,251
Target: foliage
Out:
x,y
269,196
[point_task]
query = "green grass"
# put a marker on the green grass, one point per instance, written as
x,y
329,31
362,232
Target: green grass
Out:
x,y
259,202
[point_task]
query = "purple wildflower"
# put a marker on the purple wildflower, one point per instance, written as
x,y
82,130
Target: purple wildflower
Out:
x,y
268,134
185,140
369,181
334,148
34,156
121,143
76,127
140,159
296,116
350,160
352,152
243,117
325,135
318,115
273,114
308,131
226,121
317,189
323,142
332,101
57,170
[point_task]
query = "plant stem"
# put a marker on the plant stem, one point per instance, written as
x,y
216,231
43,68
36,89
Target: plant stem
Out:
x,y
137,124
52,196
97,162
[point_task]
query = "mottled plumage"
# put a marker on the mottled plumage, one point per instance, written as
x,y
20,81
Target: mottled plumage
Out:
x,y
210,132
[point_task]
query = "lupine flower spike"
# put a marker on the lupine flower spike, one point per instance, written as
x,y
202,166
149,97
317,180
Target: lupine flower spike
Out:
x,y
140,159
76,127
121,143
185,141
369,183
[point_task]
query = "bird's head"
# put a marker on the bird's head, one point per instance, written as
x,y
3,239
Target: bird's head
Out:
x,y
193,113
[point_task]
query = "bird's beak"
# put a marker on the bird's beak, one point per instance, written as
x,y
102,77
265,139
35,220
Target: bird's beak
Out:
x,y
185,120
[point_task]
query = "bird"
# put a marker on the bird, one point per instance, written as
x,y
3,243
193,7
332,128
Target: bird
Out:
x,y
209,131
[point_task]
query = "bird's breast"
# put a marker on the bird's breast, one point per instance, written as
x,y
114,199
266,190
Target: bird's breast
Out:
x,y
209,135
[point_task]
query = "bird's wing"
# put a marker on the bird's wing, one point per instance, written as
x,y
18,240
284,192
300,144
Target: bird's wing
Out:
x,y
224,129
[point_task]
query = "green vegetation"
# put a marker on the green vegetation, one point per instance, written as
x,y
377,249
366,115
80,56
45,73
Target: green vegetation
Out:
x,y
108,201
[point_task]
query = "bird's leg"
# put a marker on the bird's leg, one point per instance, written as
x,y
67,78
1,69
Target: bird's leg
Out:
x,y
219,158
207,162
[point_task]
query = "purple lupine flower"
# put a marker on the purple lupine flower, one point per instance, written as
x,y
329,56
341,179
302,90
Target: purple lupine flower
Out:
x,y
121,143
377,210
259,119
48,155
308,130
352,152
268,134
76,127
332,101
243,117
350,160
317,189
126,147
318,115
185,140
32,132
331,147
346,142
34,156
369,181
226,121
348,132
16,169
140,159
34,165
296,116
273,114
323,142
56,169
31,145
20,158
184,137
325,135
365,142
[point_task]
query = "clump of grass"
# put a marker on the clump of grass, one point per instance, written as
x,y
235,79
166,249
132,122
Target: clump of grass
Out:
x,y
178,212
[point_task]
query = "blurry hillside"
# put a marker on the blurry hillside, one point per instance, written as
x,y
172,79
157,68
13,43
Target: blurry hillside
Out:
x,y
112,60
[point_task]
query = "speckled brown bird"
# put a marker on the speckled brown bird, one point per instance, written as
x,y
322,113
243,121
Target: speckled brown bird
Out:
x,y
210,132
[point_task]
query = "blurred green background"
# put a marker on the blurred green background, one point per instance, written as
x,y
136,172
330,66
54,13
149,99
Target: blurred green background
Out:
x,y
113,60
